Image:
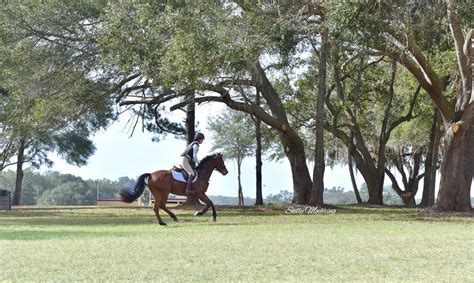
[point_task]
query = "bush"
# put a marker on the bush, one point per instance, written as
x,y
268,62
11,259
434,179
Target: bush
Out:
x,y
4,193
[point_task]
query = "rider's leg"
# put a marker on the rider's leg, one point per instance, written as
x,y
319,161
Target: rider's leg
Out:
x,y
190,170
189,185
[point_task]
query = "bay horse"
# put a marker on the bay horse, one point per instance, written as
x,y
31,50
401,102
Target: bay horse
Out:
x,y
161,183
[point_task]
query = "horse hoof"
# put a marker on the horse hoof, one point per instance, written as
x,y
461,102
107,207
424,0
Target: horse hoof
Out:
x,y
163,224
214,220
175,219
198,213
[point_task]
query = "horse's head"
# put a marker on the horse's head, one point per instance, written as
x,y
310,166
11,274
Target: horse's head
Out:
x,y
219,164
211,162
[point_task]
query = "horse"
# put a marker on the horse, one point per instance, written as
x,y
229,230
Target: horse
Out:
x,y
161,183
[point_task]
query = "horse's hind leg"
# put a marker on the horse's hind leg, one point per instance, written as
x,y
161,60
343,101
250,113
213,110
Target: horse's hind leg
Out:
x,y
171,214
156,208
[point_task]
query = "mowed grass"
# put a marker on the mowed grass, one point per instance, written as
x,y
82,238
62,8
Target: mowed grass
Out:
x,y
245,244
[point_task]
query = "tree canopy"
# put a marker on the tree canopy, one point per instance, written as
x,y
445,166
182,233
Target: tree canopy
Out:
x,y
383,61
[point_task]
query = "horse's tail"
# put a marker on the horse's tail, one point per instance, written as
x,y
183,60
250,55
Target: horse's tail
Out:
x,y
130,196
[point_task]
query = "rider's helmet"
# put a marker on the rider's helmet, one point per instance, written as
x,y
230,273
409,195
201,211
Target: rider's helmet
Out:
x,y
199,136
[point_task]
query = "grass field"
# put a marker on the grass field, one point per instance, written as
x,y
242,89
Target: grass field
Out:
x,y
245,244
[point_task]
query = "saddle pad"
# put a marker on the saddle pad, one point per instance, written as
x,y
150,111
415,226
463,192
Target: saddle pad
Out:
x,y
178,176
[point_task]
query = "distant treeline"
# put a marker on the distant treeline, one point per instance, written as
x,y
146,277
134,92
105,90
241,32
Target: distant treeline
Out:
x,y
338,195
54,188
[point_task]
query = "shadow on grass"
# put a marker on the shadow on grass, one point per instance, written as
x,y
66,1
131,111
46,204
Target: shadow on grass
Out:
x,y
28,235
227,215
77,221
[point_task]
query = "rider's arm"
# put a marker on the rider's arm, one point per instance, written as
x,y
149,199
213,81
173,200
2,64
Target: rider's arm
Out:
x,y
195,151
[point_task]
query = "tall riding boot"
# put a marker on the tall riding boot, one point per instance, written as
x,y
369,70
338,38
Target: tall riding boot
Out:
x,y
189,185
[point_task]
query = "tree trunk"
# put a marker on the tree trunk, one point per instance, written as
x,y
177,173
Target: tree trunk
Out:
x,y
457,166
258,172
292,143
317,191
239,181
190,119
409,197
414,178
19,172
373,187
258,157
383,139
190,133
431,163
294,150
379,186
364,163
404,195
351,170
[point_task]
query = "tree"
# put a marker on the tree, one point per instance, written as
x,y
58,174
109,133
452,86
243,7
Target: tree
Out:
x,y
46,126
284,196
431,162
258,155
233,135
44,186
69,193
53,102
190,134
412,161
157,53
212,49
413,153
367,87
319,165
394,30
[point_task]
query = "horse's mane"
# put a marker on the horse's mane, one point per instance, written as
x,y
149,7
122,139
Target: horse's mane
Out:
x,y
205,160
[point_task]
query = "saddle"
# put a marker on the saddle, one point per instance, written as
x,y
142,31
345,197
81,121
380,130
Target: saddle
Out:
x,y
179,174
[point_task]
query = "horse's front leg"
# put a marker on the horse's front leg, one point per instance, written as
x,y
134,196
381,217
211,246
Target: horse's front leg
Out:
x,y
214,213
209,204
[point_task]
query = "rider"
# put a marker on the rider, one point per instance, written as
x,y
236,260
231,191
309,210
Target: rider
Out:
x,y
190,160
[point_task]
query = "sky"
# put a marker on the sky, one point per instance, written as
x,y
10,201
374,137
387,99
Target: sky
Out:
x,y
118,154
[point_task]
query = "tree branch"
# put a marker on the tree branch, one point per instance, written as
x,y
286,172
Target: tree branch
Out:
x,y
421,176
410,44
405,118
120,84
236,105
456,31
395,185
435,94
230,83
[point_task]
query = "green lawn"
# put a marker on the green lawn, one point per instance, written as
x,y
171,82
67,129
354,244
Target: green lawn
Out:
x,y
245,244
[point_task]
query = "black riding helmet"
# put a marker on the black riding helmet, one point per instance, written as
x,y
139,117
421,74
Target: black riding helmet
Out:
x,y
199,136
